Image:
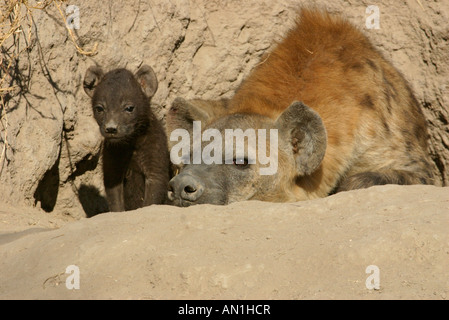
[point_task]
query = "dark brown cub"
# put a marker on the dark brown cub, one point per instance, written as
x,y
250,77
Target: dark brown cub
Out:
x,y
135,151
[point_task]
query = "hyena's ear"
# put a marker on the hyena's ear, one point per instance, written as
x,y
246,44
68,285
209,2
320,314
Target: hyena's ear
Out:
x,y
147,80
305,130
92,78
182,113
181,116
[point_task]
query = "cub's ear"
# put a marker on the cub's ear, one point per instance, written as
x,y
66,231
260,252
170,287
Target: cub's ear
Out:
x,y
305,131
147,80
92,78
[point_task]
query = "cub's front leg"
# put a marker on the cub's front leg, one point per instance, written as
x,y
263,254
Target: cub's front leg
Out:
x,y
155,190
114,196
115,165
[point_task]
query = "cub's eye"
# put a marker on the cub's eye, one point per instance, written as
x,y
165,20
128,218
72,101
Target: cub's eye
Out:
x,y
241,163
98,109
129,109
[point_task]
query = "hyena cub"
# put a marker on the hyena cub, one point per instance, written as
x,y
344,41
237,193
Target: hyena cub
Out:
x,y
135,153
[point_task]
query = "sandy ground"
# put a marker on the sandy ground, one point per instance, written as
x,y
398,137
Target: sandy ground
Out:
x,y
318,249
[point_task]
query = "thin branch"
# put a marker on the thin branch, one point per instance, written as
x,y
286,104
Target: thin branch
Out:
x,y
5,140
72,36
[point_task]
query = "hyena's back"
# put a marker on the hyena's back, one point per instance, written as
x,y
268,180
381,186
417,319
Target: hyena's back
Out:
x,y
376,130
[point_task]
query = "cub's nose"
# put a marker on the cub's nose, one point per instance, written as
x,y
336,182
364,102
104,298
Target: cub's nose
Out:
x,y
111,129
185,187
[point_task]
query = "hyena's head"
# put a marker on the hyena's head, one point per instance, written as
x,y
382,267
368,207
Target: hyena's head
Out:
x,y
121,101
241,156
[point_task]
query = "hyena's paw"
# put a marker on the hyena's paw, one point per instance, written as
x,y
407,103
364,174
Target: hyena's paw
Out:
x,y
368,179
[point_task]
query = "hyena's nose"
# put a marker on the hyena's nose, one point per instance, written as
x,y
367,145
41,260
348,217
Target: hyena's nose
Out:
x,y
185,187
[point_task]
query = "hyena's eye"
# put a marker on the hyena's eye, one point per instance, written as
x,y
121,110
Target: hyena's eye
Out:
x,y
241,163
129,109
99,109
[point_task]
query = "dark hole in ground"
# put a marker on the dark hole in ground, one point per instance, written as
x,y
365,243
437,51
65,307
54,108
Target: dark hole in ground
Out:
x,y
47,190
92,201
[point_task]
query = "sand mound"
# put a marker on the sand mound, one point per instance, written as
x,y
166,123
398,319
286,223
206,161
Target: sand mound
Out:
x,y
252,250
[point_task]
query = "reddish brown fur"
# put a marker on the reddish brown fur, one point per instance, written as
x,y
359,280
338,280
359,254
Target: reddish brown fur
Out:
x,y
376,132
333,68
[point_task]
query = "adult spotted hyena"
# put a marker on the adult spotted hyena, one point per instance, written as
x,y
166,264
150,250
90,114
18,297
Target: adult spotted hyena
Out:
x,y
346,119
